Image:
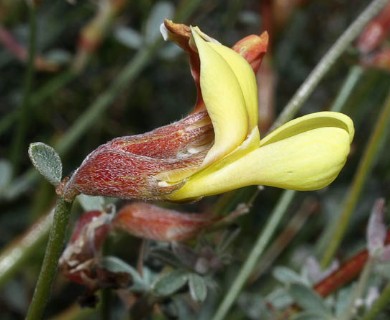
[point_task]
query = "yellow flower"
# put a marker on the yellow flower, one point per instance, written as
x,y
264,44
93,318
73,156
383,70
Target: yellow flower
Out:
x,y
218,148
304,154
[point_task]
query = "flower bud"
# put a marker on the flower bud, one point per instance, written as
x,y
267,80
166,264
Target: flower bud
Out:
x,y
88,236
375,32
129,167
151,222
253,48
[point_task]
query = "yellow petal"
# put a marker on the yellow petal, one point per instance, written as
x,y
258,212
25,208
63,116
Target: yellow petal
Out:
x,y
309,122
310,159
246,79
223,98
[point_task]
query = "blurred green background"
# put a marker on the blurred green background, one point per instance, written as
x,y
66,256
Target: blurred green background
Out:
x,y
104,71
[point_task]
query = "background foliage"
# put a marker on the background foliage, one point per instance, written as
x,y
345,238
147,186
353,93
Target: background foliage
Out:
x,y
106,74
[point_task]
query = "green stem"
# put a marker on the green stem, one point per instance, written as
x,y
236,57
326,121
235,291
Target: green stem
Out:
x,y
344,99
328,61
50,261
381,303
346,90
23,112
293,227
255,254
362,173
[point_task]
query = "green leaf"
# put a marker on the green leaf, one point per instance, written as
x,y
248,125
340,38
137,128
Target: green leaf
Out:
x,y
280,298
47,161
198,289
117,265
170,283
114,264
308,300
343,300
287,276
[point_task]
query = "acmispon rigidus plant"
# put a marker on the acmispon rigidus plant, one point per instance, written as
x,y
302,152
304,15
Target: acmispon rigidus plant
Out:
x,y
217,147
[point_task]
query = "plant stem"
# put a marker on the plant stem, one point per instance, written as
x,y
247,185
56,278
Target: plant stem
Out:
x,y
50,261
354,75
328,61
362,173
280,242
255,254
23,112
343,101
381,303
